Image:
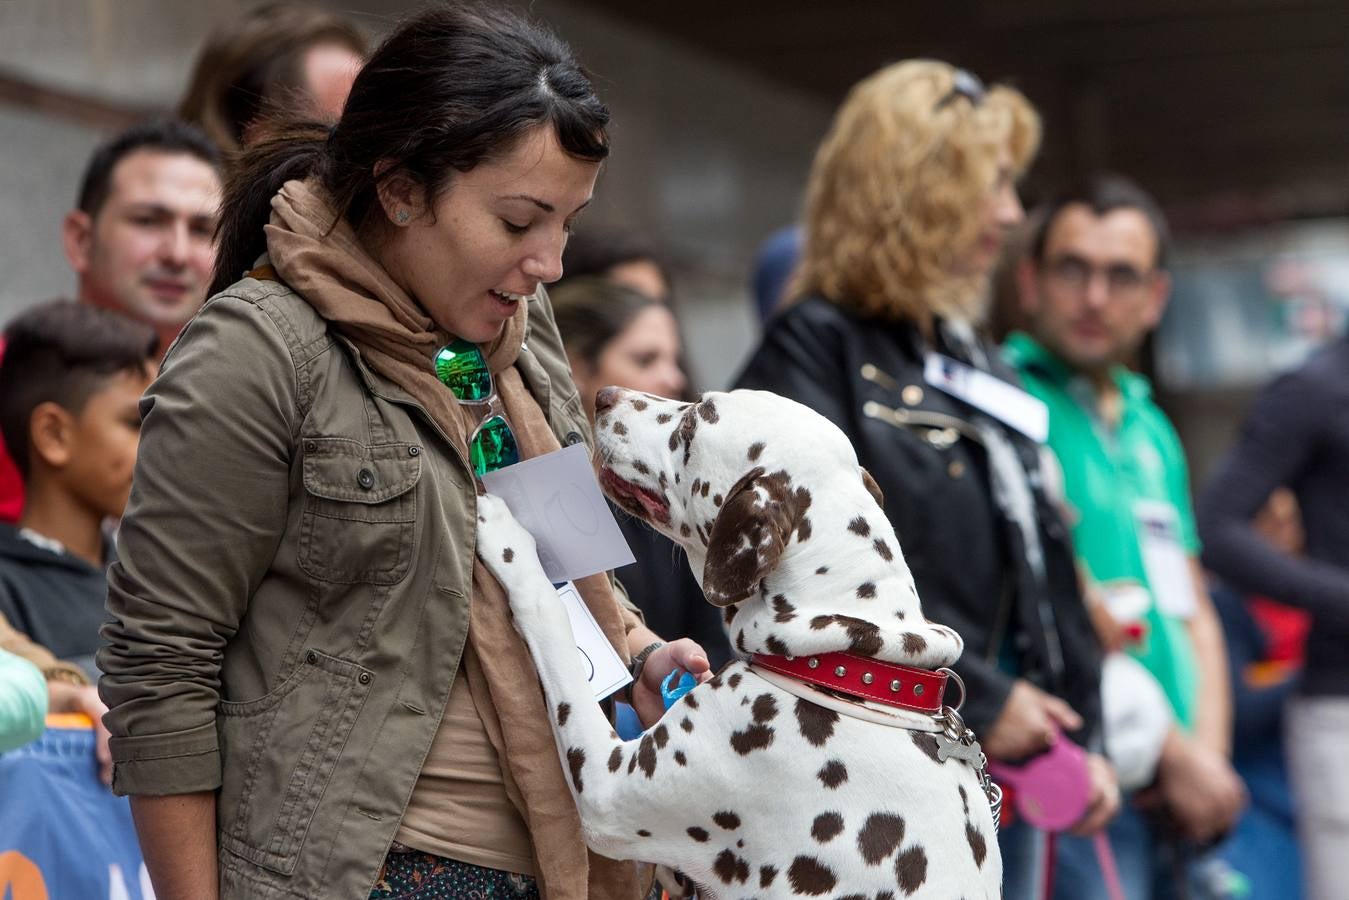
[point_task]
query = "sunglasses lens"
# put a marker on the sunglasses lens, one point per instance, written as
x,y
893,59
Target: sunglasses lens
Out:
x,y
460,367
494,447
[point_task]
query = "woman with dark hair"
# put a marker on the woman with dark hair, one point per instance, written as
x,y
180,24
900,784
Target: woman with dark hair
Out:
x,y
617,335
301,702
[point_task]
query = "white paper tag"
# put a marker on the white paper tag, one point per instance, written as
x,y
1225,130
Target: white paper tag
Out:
x,y
1164,559
603,666
558,501
988,393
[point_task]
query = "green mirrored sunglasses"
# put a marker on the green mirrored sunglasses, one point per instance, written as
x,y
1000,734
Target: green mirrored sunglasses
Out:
x,y
462,368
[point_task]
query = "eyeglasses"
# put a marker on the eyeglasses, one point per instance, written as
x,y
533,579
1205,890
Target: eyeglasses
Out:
x,y
963,84
1075,273
462,368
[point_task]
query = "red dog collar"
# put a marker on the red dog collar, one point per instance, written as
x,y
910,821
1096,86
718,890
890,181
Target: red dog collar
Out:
x,y
919,690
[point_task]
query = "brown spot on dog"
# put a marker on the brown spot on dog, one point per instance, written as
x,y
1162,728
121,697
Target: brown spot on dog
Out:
x,y
619,428
775,646
641,467
646,755
927,743
900,614
754,450
859,527
632,763
728,820
698,834
708,410
691,702
615,759
686,724
816,722
826,827
881,834
507,555
766,875
914,643
785,612
716,499
680,758
563,710
740,642
576,758
866,590
883,549
864,638
684,529
765,708
728,614
734,681
705,488
822,570
755,737
730,867
810,876
664,419
642,832
662,736
978,846
674,441
832,774
696,486
911,869
803,530
964,798
639,405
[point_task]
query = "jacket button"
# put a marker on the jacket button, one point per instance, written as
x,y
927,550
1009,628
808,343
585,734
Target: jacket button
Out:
x,y
365,678
956,469
912,395
574,437
414,451
366,479
311,446
311,657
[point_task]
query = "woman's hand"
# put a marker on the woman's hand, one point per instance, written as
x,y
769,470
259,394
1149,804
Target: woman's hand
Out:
x,y
685,654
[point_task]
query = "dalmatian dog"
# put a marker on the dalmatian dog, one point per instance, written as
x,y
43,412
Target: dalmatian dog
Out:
x,y
757,784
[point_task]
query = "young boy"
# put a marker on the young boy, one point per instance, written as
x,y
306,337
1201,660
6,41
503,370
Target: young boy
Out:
x,y
70,382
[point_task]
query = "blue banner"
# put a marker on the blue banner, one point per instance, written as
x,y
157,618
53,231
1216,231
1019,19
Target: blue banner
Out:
x,y
63,834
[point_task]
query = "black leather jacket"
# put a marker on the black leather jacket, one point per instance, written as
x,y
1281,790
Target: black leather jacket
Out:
x,y
918,443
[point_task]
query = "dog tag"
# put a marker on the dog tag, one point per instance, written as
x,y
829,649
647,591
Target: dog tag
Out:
x,y
970,753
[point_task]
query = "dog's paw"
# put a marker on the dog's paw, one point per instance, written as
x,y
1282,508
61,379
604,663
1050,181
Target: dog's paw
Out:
x,y
504,546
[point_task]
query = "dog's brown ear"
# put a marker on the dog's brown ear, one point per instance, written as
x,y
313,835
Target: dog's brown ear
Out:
x,y
872,487
748,537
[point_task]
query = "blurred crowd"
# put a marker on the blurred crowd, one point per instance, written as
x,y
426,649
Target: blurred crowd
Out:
x,y
1192,640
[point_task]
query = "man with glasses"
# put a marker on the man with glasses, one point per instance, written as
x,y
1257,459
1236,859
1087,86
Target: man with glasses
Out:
x,y
1092,289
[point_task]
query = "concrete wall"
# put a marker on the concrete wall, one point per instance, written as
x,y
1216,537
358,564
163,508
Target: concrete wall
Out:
x,y
707,159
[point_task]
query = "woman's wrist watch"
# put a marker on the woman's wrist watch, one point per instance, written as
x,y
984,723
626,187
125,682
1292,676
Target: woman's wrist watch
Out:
x,y
639,663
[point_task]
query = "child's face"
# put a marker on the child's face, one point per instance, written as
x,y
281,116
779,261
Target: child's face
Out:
x,y
103,448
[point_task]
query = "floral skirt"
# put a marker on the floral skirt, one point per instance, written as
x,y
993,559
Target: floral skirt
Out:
x,y
428,877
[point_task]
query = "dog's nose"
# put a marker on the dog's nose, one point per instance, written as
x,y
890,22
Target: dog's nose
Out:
x,y
606,398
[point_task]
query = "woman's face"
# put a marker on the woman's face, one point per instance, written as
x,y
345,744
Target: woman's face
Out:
x,y
644,357
1001,211
491,236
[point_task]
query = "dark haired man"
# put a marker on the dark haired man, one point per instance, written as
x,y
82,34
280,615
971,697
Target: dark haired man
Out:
x,y
141,237
1093,288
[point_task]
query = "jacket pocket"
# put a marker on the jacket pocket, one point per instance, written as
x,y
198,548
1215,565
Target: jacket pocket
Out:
x,y
279,752
360,510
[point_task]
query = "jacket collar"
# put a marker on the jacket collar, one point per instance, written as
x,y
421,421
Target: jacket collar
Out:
x,y
1024,352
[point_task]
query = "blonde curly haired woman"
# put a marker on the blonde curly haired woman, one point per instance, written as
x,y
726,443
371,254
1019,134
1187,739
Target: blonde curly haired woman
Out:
x,y
909,199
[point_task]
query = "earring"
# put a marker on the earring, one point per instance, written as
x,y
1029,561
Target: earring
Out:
x,y
402,217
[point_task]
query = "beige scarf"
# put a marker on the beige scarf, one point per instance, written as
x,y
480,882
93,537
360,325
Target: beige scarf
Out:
x,y
396,338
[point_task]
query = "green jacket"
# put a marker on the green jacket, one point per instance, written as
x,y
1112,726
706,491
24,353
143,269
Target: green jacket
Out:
x,y
291,600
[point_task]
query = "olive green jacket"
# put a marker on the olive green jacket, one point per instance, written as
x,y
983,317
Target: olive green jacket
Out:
x,y
291,600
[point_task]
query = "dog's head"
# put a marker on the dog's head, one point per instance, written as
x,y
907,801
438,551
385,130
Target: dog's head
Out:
x,y
781,524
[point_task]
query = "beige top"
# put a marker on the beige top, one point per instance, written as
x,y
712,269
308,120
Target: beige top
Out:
x,y
459,808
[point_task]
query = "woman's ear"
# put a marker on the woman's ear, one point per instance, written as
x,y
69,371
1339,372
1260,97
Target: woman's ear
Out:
x,y
402,199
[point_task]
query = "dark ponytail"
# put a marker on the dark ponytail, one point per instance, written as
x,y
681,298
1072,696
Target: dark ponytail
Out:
x,y
449,89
